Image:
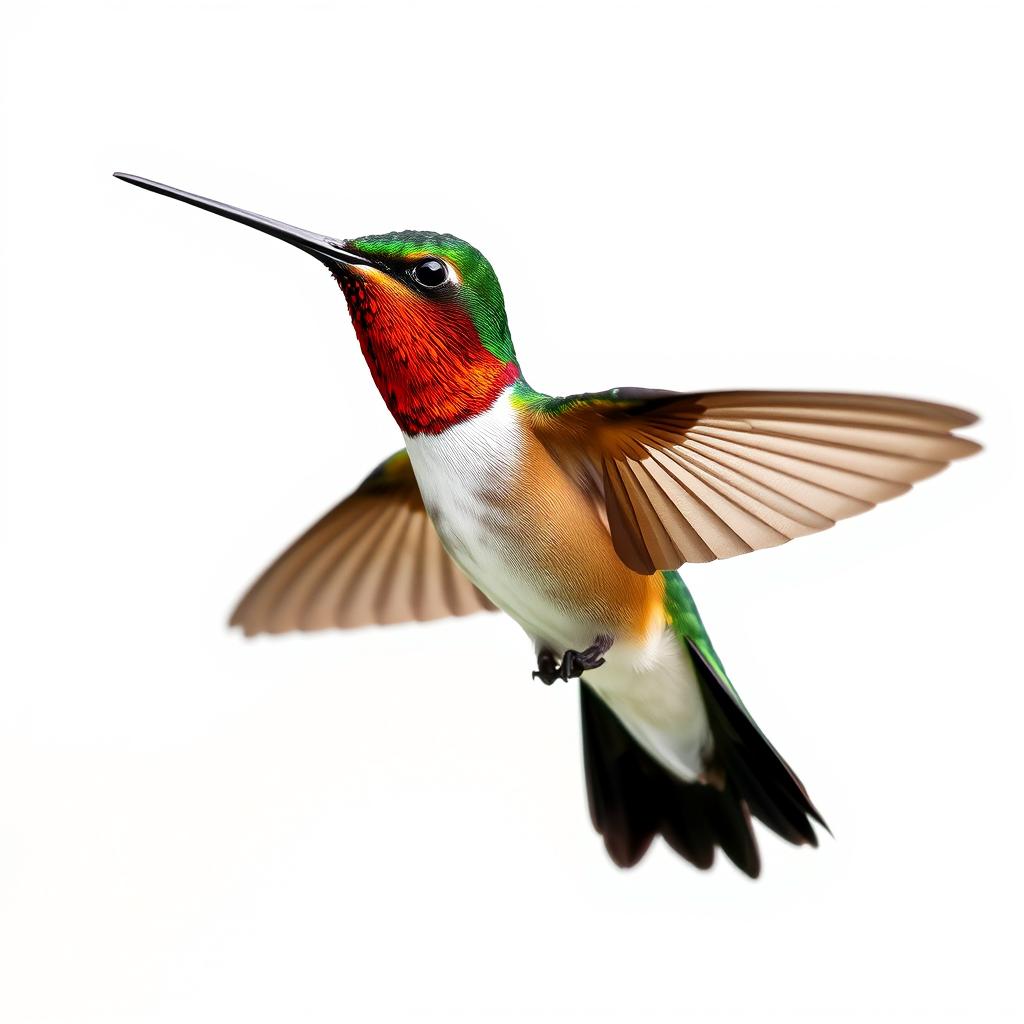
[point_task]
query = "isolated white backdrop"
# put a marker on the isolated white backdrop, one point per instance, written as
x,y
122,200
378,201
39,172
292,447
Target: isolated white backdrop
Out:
x,y
391,826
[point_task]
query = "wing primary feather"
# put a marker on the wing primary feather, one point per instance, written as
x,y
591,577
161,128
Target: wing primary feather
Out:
x,y
622,524
762,500
259,609
320,608
816,477
666,532
418,544
835,402
391,602
898,468
719,521
450,583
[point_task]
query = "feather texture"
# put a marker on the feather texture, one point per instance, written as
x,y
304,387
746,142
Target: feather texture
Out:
x,y
373,558
633,798
695,477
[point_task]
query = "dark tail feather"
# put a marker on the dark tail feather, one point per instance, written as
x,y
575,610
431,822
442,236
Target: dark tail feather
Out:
x,y
633,798
624,805
769,786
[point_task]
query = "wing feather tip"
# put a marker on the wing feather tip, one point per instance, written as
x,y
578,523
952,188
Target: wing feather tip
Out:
x,y
968,445
246,628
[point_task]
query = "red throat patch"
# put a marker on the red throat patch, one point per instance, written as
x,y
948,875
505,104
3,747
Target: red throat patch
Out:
x,y
426,357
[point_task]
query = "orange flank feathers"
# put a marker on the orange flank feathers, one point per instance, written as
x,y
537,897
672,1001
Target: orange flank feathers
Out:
x,y
564,541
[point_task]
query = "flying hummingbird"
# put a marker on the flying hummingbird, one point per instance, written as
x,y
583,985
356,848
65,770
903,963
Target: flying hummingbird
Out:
x,y
572,515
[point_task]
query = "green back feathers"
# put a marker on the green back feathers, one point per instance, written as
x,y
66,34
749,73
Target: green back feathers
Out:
x,y
686,623
480,294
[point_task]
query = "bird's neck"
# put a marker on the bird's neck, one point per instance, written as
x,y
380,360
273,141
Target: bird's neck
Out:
x,y
432,375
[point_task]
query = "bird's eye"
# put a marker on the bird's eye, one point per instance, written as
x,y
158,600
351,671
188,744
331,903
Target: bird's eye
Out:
x,y
430,273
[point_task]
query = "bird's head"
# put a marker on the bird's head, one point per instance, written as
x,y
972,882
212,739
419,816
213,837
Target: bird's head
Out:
x,y
427,309
430,317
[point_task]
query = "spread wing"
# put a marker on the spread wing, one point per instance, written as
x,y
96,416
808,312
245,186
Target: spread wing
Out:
x,y
374,558
695,477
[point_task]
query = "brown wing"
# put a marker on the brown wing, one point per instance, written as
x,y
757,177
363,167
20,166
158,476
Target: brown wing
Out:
x,y
695,477
374,558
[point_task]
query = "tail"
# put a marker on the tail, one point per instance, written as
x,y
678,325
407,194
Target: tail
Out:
x,y
633,797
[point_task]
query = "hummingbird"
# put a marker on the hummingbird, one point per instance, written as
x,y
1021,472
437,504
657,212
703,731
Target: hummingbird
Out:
x,y
573,515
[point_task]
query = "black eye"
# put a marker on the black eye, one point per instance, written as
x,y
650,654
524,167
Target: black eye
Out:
x,y
430,273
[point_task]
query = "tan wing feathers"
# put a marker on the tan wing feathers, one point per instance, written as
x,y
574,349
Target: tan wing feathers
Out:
x,y
691,478
374,558
277,597
880,408
462,597
744,521
623,524
394,600
344,585
830,455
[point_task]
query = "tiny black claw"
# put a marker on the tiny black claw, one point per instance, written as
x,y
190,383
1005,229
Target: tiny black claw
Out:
x,y
547,668
574,663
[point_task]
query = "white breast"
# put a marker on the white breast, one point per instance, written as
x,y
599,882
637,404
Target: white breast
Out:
x,y
454,469
463,473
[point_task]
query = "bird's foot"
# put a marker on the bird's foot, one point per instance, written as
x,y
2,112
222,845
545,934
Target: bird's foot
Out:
x,y
573,663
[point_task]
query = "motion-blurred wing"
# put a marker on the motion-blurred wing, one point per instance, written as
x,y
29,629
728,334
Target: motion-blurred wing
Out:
x,y
695,477
374,558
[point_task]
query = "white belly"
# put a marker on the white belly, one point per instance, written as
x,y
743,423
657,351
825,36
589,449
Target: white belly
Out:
x,y
651,686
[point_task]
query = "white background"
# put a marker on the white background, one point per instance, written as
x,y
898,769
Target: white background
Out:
x,y
391,826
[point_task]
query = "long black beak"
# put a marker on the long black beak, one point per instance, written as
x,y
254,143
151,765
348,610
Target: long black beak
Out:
x,y
327,250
